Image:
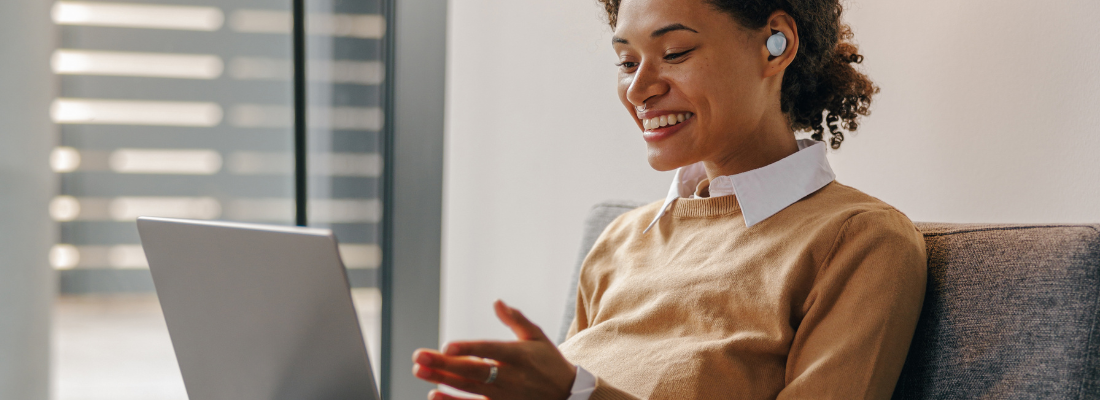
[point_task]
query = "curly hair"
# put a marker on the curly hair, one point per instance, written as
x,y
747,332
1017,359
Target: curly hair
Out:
x,y
821,88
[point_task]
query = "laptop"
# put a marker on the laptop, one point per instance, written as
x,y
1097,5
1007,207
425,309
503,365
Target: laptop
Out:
x,y
257,312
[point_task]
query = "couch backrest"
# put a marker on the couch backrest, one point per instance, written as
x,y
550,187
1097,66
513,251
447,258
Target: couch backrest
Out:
x,y
1011,311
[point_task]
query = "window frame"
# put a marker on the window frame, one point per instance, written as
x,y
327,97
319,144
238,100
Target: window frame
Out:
x,y
412,181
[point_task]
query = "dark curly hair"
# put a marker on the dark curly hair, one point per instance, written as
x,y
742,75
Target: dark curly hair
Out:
x,y
821,87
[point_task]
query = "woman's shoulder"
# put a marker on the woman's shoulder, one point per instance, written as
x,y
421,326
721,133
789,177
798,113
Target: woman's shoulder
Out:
x,y
852,213
616,227
869,234
837,212
838,202
636,219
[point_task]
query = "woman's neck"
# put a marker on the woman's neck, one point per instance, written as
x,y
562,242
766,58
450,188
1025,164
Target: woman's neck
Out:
x,y
758,152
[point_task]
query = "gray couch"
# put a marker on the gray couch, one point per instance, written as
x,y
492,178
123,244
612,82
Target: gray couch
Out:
x,y
1011,311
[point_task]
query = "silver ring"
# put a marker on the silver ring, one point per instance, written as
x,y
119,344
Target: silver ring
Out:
x,y
492,374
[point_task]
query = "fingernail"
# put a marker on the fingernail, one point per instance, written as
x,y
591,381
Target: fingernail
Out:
x,y
423,358
421,372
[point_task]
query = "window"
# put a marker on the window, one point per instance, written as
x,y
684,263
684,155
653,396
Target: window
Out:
x,y
186,109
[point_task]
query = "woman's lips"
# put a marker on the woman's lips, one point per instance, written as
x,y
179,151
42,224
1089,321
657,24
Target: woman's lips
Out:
x,y
660,127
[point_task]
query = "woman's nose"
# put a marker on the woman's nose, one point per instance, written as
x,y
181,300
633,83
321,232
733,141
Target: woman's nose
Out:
x,y
646,84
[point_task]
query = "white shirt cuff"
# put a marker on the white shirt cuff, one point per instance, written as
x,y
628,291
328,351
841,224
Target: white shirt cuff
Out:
x,y
583,385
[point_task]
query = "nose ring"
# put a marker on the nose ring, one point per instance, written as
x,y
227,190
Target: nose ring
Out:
x,y
642,108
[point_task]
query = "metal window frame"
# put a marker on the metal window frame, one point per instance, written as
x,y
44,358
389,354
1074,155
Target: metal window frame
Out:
x,y
298,39
412,199
413,190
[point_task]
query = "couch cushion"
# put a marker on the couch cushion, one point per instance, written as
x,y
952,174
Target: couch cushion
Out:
x,y
1011,311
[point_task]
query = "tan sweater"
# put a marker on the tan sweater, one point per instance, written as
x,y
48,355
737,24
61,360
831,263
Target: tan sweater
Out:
x,y
818,301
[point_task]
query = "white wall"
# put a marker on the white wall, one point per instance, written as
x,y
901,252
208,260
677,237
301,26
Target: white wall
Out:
x,y
989,112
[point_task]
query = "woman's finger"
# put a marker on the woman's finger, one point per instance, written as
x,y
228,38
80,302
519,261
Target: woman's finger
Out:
x,y
443,378
505,352
436,394
521,326
469,367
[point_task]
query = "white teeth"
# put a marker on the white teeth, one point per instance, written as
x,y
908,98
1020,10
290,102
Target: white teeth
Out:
x,y
665,120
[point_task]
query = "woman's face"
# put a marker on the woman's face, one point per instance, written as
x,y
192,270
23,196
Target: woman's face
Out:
x,y
685,58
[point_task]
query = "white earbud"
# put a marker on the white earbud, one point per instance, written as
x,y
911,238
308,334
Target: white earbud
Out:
x,y
777,44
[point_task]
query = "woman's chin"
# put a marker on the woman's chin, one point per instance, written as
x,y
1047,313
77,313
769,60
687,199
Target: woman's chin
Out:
x,y
663,160
671,147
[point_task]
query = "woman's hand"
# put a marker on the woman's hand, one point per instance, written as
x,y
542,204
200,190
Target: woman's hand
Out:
x,y
530,368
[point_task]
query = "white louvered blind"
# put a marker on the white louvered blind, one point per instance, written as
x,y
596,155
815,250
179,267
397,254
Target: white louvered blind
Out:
x,y
184,109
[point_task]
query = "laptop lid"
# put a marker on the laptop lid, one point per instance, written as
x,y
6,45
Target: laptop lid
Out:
x,y
257,312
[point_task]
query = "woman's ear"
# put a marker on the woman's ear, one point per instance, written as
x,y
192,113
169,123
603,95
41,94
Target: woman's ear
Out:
x,y
781,45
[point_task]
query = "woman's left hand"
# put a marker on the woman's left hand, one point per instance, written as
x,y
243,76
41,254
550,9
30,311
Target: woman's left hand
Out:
x,y
529,368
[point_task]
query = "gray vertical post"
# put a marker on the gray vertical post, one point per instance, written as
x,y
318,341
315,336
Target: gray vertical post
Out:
x,y
26,186
415,191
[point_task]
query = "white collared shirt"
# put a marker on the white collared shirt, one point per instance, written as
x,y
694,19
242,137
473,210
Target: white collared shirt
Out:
x,y
764,191
761,193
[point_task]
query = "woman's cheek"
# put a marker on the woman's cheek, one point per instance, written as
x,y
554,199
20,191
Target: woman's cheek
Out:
x,y
624,85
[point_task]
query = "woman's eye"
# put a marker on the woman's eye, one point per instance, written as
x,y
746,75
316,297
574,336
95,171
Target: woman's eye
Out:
x,y
627,65
675,56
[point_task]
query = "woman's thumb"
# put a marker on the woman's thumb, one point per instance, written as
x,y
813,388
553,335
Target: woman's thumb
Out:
x,y
521,326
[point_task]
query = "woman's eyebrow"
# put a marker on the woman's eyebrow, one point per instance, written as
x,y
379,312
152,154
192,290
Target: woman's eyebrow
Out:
x,y
670,28
657,33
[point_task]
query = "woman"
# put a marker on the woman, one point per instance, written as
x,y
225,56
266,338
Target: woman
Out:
x,y
759,277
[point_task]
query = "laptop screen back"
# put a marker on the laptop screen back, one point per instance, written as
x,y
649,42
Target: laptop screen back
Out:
x,y
257,312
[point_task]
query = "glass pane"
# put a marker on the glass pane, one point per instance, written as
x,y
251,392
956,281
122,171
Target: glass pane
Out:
x,y
177,108
345,71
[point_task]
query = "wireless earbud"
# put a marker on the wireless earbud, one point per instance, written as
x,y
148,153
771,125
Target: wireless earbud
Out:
x,y
777,44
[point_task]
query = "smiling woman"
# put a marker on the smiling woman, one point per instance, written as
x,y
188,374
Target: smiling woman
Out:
x,y
820,87
758,276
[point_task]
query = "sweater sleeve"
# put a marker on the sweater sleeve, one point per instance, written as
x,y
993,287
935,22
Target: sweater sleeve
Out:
x,y
600,389
861,313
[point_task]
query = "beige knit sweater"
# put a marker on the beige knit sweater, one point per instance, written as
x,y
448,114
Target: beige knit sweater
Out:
x,y
818,301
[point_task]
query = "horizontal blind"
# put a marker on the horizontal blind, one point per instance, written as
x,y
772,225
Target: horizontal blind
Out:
x,y
184,109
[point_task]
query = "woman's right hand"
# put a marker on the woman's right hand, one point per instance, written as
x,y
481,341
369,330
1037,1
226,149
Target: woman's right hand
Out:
x,y
530,368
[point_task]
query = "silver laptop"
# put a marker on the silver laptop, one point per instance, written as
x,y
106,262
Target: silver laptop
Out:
x,y
257,312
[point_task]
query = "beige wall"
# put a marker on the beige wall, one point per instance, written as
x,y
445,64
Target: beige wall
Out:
x,y
989,112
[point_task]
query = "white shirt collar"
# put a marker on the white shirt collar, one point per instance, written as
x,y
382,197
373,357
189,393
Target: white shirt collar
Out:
x,y
764,191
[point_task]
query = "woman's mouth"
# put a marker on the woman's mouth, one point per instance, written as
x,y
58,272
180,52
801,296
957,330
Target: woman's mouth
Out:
x,y
663,126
